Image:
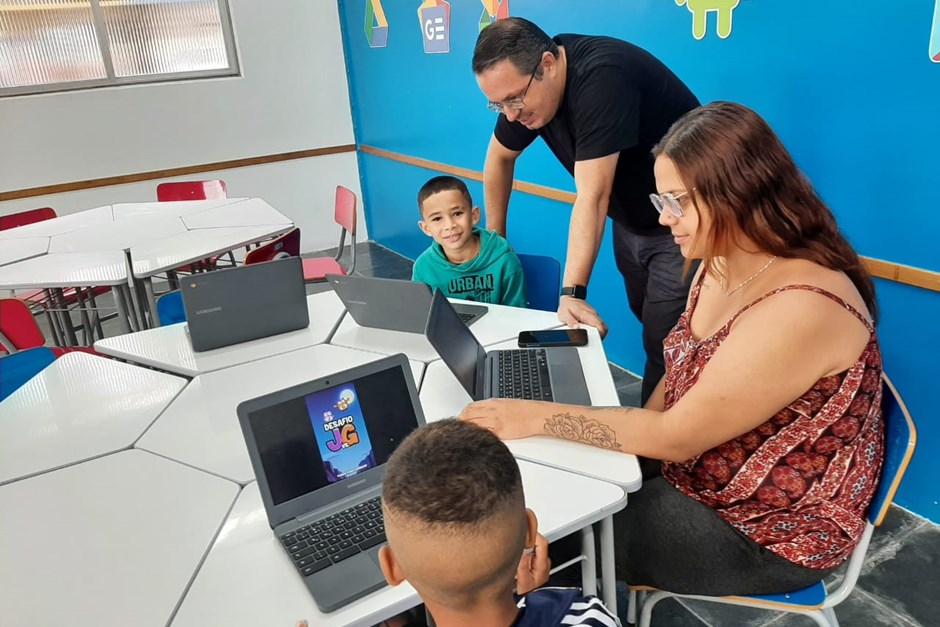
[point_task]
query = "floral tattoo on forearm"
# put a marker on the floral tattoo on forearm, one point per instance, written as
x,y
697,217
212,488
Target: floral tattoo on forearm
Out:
x,y
581,429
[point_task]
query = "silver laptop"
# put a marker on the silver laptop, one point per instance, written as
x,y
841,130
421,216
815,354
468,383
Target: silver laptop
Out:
x,y
228,307
319,451
546,374
392,304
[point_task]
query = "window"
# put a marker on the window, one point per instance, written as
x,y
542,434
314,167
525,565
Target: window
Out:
x,y
54,45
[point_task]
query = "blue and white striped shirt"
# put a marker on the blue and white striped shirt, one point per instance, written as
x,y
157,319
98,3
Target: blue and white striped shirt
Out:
x,y
563,606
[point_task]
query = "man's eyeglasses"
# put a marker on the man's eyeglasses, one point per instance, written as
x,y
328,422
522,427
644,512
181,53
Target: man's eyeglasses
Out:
x,y
517,103
669,201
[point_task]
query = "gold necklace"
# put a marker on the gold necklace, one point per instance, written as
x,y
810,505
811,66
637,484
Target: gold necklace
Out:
x,y
721,279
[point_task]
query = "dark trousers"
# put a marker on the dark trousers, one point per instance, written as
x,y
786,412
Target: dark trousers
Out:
x,y
651,266
667,540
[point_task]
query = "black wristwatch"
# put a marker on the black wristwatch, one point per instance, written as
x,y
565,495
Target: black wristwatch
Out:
x,y
577,291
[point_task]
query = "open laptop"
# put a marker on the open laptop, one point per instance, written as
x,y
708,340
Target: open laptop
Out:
x,y
228,307
392,304
319,451
545,374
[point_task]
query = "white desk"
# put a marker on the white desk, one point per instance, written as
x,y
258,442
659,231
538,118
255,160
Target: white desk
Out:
x,y
108,543
15,250
61,224
169,348
500,323
58,270
177,250
66,270
248,580
250,212
172,252
200,428
117,235
175,208
442,396
80,406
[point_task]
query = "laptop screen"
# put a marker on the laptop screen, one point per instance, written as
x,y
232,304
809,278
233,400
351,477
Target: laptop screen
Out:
x,y
326,437
455,343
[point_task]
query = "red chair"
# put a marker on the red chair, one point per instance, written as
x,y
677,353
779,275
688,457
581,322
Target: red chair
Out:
x,y
19,331
287,245
26,217
191,190
344,213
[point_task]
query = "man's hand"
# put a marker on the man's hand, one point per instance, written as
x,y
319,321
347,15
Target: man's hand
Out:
x,y
574,312
534,567
510,419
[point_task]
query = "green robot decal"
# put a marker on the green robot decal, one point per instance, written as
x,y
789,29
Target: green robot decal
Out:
x,y
699,10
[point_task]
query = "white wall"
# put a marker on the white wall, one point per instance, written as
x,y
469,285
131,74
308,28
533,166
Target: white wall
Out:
x,y
292,95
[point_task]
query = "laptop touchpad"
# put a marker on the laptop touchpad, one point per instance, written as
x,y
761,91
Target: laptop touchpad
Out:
x,y
330,586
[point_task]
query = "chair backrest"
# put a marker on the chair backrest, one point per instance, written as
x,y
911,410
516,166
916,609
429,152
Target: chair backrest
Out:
x,y
900,440
345,209
20,367
542,281
18,325
26,217
170,308
191,190
287,245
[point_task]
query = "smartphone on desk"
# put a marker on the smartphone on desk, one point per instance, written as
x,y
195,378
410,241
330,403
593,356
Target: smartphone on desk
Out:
x,y
547,338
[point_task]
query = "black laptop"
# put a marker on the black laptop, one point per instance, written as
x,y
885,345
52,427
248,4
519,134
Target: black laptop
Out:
x,y
545,374
319,451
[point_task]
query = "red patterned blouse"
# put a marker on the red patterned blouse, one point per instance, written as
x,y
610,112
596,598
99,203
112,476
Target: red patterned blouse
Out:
x,y
800,483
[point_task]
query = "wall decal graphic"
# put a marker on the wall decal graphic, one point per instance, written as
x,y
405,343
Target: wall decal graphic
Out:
x,y
493,10
935,35
700,10
376,24
434,17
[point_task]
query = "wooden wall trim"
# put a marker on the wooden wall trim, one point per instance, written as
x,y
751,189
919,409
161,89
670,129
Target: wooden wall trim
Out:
x,y
123,179
889,270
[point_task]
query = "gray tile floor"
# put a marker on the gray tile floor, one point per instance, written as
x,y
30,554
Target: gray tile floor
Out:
x,y
900,582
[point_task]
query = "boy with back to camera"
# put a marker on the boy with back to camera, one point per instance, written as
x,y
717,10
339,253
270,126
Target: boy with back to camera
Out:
x,y
464,261
460,533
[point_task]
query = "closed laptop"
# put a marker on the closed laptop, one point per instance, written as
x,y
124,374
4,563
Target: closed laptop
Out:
x,y
228,307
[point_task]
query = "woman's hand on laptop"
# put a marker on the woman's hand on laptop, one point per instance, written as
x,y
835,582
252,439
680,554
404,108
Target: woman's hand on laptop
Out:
x,y
510,419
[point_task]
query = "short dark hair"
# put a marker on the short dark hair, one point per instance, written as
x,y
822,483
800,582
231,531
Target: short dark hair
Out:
x,y
442,184
452,472
516,39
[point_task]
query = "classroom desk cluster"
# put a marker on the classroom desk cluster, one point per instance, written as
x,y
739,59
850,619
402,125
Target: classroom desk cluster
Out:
x,y
124,246
127,495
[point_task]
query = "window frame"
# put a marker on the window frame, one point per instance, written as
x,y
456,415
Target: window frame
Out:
x,y
228,37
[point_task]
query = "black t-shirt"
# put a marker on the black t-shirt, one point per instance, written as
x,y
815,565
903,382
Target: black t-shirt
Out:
x,y
618,98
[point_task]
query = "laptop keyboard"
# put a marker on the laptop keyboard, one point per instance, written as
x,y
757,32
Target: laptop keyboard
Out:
x,y
523,374
337,537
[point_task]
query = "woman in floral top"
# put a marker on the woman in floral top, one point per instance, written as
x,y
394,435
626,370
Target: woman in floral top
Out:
x,y
768,421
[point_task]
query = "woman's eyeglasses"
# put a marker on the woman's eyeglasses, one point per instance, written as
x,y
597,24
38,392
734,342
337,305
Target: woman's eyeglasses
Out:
x,y
669,201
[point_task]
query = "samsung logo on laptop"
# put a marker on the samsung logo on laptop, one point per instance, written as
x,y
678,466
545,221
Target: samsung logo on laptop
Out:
x,y
199,312
355,483
357,302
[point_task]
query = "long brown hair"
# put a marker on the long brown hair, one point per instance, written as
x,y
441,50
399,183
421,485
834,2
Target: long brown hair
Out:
x,y
730,158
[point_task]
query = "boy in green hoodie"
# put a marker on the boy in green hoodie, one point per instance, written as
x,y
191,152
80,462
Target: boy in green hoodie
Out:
x,y
464,261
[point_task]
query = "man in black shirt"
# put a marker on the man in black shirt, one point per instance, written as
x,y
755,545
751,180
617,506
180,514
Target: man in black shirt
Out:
x,y
600,104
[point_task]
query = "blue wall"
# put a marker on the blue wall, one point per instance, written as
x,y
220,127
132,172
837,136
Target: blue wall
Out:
x,y
848,86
